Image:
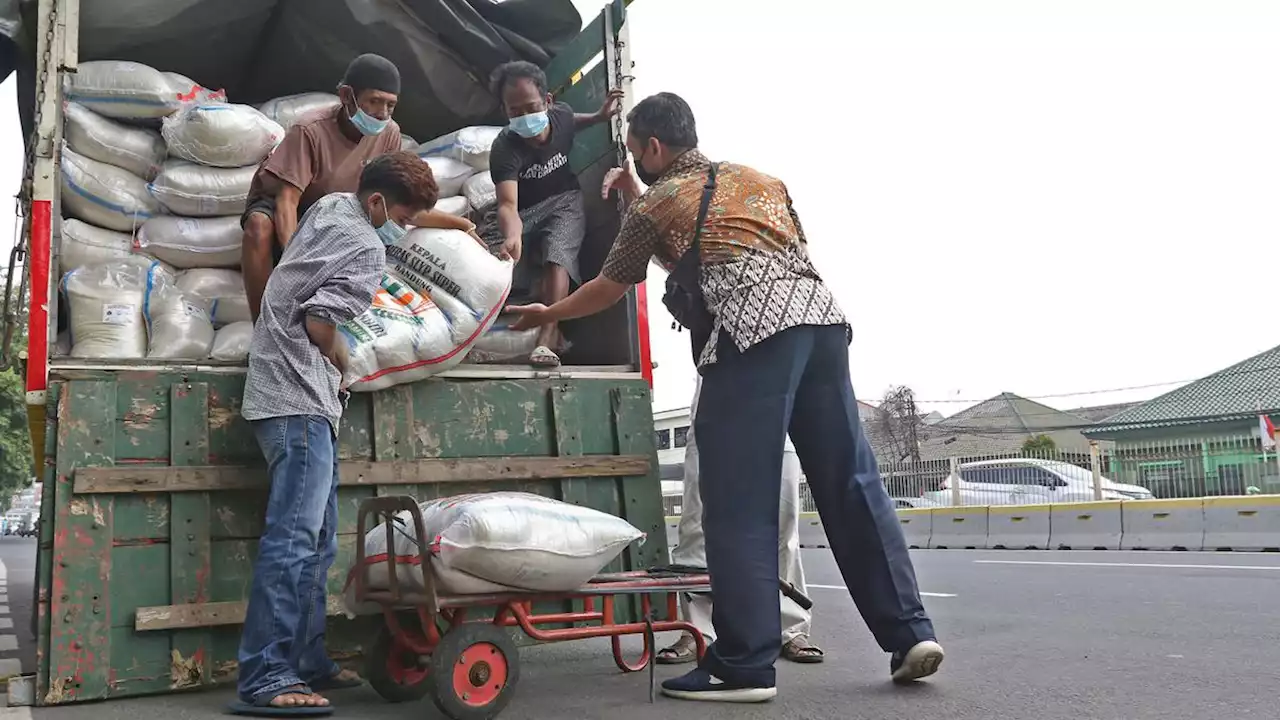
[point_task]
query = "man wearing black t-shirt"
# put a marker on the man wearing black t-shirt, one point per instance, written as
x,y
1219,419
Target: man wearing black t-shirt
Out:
x,y
539,201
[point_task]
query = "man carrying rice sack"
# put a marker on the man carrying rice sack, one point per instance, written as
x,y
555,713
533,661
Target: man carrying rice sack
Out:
x,y
327,275
772,347
539,199
323,153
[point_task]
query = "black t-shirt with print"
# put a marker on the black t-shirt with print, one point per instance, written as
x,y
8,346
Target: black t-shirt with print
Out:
x,y
540,171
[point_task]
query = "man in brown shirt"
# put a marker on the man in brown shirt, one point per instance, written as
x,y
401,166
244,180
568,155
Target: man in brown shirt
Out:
x,y
323,154
774,361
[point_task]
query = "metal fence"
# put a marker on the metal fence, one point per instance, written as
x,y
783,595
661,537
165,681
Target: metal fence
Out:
x,y
1181,468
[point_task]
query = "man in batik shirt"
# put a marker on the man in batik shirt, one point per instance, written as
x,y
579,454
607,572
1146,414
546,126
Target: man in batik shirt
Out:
x,y
777,360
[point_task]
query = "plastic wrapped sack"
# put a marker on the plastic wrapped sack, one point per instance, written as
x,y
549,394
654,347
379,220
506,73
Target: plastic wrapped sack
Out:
x,y
480,191
193,242
186,188
456,205
408,143
220,292
470,145
177,328
288,110
104,195
138,150
231,343
503,345
190,91
229,136
468,283
488,542
83,244
124,90
450,174
107,304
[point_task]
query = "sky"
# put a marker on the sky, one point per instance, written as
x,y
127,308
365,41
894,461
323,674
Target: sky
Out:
x,y
1045,198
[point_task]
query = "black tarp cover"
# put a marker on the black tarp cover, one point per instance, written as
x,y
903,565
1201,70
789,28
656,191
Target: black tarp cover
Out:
x,y
260,49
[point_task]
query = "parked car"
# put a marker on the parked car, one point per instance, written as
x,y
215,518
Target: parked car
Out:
x,y
903,503
1025,481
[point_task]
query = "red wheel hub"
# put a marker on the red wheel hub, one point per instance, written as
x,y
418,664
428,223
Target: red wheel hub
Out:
x,y
480,674
403,666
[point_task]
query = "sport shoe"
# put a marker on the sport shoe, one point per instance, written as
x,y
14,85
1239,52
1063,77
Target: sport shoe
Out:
x,y
921,661
698,684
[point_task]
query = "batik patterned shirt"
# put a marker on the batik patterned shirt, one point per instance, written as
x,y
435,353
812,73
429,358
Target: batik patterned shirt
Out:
x,y
757,279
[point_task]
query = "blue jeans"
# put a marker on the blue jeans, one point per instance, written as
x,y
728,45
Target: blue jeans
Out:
x,y
282,643
795,382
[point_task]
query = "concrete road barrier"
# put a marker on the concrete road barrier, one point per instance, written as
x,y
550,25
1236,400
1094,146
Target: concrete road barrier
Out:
x,y
1242,523
959,528
1085,526
1018,527
1162,524
917,526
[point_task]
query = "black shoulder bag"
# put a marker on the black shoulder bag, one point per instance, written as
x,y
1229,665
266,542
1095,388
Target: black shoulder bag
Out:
x,y
683,297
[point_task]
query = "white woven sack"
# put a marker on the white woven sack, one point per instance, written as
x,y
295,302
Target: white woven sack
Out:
x,y
221,135
123,90
408,143
480,190
231,343
470,145
503,345
84,244
138,150
104,195
193,242
288,110
450,174
525,541
219,291
400,339
190,91
186,188
456,205
107,303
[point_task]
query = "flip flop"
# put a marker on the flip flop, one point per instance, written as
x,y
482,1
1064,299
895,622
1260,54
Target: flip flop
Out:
x,y
542,356
262,707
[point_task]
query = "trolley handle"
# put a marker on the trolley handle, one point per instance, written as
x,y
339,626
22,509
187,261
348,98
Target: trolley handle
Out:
x,y
386,508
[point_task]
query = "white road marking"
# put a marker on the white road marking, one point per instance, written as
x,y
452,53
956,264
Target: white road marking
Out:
x,y
8,643
1129,565
6,623
842,587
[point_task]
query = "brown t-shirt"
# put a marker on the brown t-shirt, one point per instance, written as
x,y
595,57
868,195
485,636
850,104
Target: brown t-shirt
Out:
x,y
318,159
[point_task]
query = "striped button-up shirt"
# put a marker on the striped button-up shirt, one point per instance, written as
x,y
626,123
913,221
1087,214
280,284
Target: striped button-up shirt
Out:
x,y
330,271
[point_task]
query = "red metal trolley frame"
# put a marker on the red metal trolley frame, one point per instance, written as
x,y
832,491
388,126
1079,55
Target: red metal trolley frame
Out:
x,y
471,667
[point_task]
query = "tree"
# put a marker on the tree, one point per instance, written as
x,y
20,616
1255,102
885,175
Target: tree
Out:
x,y
15,437
1039,445
899,423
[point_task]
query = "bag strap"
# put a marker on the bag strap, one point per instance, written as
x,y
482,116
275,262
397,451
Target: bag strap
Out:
x,y
708,192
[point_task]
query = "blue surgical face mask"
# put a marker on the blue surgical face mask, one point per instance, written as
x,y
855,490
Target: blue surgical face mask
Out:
x,y
527,126
366,123
390,232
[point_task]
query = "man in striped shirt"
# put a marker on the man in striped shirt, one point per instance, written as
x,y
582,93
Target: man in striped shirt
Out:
x,y
774,358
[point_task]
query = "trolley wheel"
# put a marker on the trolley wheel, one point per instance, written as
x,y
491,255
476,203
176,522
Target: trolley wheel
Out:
x,y
474,671
395,671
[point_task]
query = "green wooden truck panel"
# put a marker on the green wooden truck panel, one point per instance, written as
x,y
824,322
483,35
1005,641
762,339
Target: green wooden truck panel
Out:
x,y
164,540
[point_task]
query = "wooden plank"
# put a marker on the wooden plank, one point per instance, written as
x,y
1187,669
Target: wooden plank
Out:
x,y
190,530
79,649
203,615
98,480
641,494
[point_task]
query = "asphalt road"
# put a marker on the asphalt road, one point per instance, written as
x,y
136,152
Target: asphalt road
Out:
x,y
1044,635
17,644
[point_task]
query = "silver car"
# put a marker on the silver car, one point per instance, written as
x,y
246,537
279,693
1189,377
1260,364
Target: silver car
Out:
x,y
1025,481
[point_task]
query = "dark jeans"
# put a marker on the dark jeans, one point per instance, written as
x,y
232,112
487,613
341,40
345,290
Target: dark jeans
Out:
x,y
796,381
282,643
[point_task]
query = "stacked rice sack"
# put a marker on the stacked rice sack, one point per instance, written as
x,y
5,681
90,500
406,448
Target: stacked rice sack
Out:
x,y
155,173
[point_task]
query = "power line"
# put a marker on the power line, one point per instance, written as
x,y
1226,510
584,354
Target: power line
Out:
x,y
1082,393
